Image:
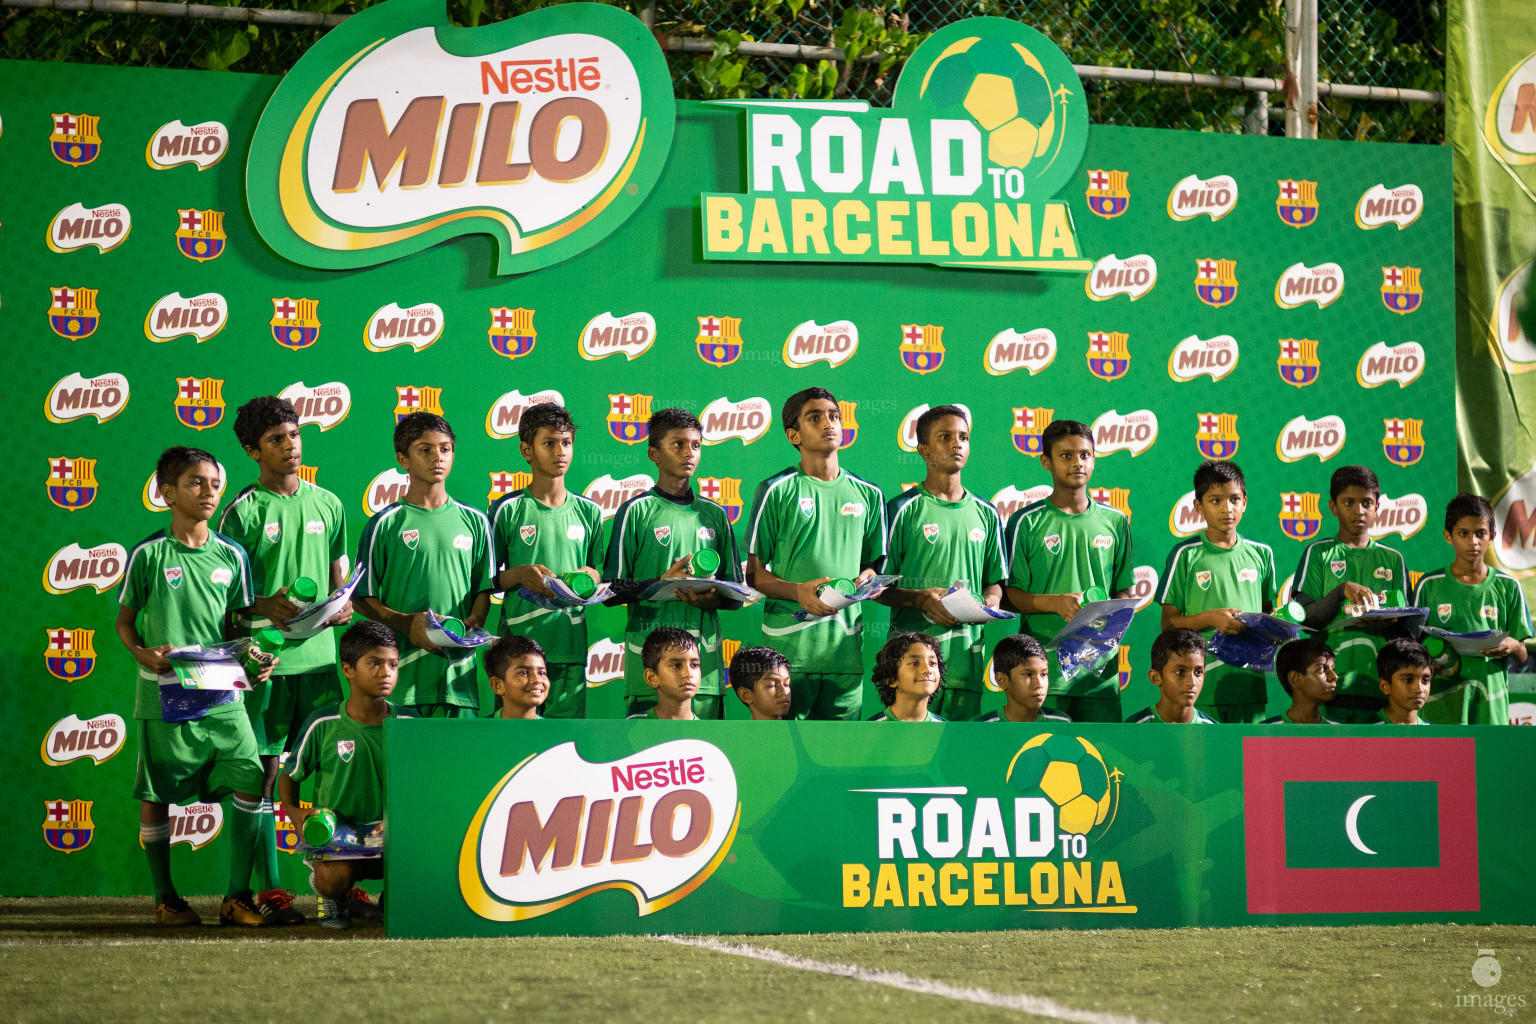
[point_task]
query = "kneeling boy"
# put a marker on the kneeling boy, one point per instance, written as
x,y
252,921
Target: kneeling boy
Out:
x,y
670,657
1305,670
1178,672
1404,669
760,677
519,676
909,670
1022,670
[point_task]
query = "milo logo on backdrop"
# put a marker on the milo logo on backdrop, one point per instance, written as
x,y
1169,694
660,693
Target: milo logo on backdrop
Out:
x,y
557,828
398,131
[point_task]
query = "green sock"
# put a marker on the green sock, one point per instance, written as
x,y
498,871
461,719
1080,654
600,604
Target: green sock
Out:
x,y
267,874
244,829
157,847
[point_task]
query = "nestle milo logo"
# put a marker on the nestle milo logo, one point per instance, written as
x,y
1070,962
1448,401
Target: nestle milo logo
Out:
x,y
397,131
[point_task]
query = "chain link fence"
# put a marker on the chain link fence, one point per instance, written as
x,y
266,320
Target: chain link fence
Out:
x,y
714,50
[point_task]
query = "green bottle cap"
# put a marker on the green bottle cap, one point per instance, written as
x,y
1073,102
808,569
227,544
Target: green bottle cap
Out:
x,y
303,590
1093,594
320,827
841,585
1292,612
269,639
453,625
1395,599
1434,645
705,562
580,583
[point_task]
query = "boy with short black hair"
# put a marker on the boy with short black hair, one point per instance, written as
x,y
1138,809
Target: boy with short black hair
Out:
x,y
760,677
1469,596
909,671
1305,670
1347,569
655,536
1404,669
940,533
342,747
428,552
546,530
1178,672
1022,670
1213,576
180,586
671,659
290,528
1058,548
811,523
518,674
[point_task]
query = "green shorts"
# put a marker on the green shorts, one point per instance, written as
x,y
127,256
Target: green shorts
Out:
x,y
955,705
1088,709
828,696
443,711
279,707
197,762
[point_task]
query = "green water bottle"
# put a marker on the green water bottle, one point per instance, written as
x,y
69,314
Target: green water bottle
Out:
x,y
705,562
1292,612
452,625
320,827
265,645
1093,594
841,585
580,583
303,591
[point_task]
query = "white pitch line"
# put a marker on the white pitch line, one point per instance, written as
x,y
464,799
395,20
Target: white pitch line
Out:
x,y
1036,1005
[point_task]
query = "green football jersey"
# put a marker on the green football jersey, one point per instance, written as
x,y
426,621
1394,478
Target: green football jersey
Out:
x,y
1382,719
525,531
182,596
934,543
803,529
1324,565
1199,577
1149,714
1457,607
885,716
346,758
1284,718
415,560
288,536
1055,552
650,532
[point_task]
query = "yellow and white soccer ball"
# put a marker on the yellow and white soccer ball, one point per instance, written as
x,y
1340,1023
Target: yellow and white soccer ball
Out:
x,y
1004,89
1070,773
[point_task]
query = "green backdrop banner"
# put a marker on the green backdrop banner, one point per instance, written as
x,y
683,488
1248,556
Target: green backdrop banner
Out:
x,y
599,828
1287,303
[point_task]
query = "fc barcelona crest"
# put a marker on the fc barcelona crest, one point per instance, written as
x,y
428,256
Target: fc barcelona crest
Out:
x,y
67,825
1400,290
1109,355
1216,281
75,140
1404,441
922,347
724,491
1216,434
295,323
512,333
1028,425
200,234
1118,498
287,835
1107,194
71,482
850,421
1300,515
628,416
1298,361
504,483
200,401
1297,202
1123,667
71,653
409,399
73,313
719,339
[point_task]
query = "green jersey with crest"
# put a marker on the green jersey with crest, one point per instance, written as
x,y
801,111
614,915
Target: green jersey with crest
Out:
x,y
525,531
182,596
934,543
288,536
803,529
1325,565
1201,576
1456,607
347,759
414,560
1055,552
650,532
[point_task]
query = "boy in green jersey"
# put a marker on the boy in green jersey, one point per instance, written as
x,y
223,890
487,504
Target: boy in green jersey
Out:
x,y
290,528
671,659
1468,597
760,677
1213,576
342,748
1350,569
546,530
656,536
1058,548
1021,669
940,533
1178,672
428,552
180,587
1305,670
1405,670
518,672
812,523
909,671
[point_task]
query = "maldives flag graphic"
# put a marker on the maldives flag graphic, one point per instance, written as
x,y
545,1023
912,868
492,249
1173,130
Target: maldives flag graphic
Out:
x,y
1344,825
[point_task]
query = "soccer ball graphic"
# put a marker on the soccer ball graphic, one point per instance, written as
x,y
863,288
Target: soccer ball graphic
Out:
x,y
1069,772
1011,101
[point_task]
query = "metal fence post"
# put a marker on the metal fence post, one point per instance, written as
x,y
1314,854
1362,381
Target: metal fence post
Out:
x,y
1301,69
1258,114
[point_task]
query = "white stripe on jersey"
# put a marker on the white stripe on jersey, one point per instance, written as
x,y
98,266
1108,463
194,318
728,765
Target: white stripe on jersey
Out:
x,y
757,518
